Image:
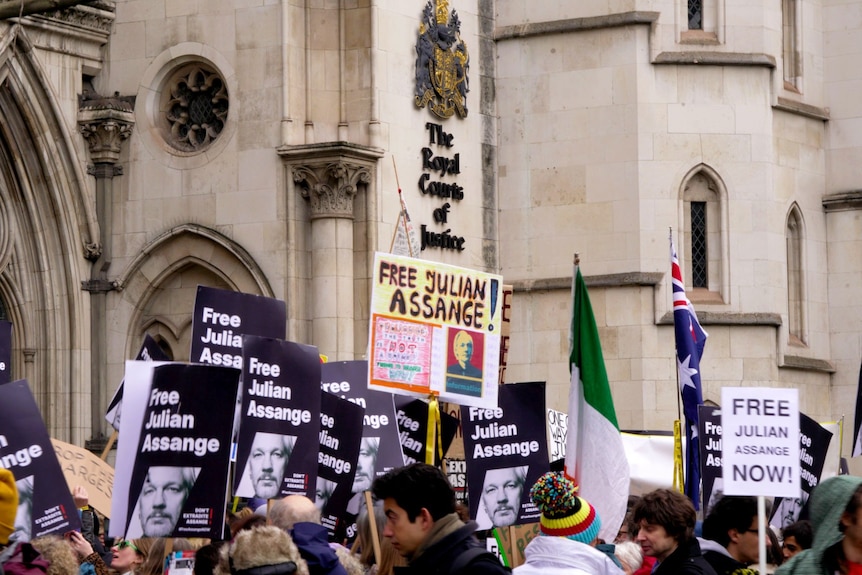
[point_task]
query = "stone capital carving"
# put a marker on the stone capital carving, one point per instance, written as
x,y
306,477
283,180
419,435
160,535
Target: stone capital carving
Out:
x,y
331,186
105,123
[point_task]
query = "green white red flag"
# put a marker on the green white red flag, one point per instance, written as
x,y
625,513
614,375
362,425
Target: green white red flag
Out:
x,y
595,458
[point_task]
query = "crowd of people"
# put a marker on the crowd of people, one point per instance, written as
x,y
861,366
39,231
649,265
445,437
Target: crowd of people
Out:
x,y
414,526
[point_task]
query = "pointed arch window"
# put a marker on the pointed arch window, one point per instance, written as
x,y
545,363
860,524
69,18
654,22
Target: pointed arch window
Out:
x,y
796,319
792,61
704,217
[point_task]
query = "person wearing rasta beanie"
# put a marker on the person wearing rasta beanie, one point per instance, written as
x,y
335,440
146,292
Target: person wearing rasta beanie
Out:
x,y
8,505
564,514
570,526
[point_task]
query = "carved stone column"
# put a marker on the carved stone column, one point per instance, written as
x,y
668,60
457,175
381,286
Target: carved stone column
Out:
x,y
329,177
105,123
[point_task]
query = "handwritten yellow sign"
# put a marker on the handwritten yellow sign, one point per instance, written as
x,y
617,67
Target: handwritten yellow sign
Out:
x,y
435,329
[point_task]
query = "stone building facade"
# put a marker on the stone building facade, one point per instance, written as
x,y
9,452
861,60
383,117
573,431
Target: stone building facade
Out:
x,y
149,146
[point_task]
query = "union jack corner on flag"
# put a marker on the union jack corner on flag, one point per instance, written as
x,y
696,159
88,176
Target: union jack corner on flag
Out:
x,y
690,341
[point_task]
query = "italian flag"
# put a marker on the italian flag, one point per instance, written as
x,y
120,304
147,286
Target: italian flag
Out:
x,y
595,459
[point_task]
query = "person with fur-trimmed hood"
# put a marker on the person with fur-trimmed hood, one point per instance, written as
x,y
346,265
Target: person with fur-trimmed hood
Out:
x,y
263,550
836,514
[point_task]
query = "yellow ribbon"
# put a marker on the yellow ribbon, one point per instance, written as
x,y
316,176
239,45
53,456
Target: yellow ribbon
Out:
x,y
434,431
678,481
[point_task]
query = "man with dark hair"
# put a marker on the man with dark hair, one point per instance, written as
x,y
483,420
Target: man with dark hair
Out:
x,y
423,526
730,539
836,515
665,520
797,537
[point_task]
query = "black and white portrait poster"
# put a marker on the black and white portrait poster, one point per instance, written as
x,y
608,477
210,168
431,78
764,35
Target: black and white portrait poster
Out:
x,y
222,317
340,437
506,451
180,423
380,450
280,419
150,351
412,417
5,352
813,444
45,503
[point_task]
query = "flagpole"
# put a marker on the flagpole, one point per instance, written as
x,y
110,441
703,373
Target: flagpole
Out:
x,y
678,466
402,216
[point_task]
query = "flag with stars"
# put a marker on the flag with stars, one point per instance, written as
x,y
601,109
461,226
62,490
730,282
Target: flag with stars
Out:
x,y
690,340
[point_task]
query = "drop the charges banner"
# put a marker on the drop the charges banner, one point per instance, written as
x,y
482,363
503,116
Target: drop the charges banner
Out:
x,y
82,467
174,450
506,452
435,329
45,502
280,419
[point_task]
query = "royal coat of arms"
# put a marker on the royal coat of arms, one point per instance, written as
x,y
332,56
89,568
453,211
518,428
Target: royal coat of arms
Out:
x,y
441,62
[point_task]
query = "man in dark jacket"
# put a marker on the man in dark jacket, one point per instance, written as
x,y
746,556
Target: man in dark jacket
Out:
x,y
730,541
423,526
665,521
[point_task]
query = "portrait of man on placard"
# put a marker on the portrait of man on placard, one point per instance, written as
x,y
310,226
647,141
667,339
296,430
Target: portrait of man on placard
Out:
x,y
502,491
163,497
24,515
267,462
323,491
463,347
365,471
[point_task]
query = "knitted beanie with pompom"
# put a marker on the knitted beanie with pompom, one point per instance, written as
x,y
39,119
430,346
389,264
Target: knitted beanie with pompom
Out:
x,y
564,514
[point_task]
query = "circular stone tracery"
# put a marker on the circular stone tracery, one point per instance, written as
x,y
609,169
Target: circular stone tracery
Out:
x,y
195,107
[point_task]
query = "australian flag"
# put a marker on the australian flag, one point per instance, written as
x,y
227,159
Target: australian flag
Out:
x,y
690,340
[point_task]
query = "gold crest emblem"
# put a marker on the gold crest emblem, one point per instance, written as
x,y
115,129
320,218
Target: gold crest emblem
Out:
x,y
442,62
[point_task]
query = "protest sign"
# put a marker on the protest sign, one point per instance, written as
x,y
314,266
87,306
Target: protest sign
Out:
x,y
507,451
380,449
150,351
814,442
512,541
456,472
222,317
456,449
558,425
507,292
45,502
709,428
5,352
340,438
760,440
81,467
280,419
435,329
174,450
412,416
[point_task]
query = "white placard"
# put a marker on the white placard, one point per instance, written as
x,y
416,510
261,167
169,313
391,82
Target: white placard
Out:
x,y
760,441
558,424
